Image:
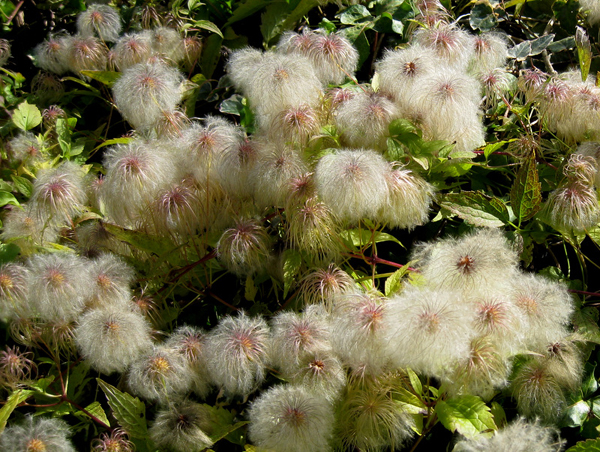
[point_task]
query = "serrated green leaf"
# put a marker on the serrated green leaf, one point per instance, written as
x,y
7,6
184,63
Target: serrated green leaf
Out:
x,y
8,198
482,17
292,261
26,116
16,397
393,283
96,410
129,411
466,414
222,422
22,184
526,192
477,208
584,52
590,445
107,78
208,25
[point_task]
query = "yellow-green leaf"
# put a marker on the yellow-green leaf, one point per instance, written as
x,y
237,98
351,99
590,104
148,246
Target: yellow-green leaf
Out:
x,y
26,116
466,414
129,411
13,400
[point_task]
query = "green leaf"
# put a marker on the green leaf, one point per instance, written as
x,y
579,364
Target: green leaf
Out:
x,y
161,246
499,414
526,192
95,409
208,25
562,44
22,184
530,48
477,208
112,141
250,289
211,53
482,17
365,237
393,283
493,147
246,9
584,52
64,128
576,414
415,381
107,78
11,403
466,414
8,252
26,116
292,261
233,105
272,20
354,14
585,323
591,445
8,198
409,402
222,421
356,35
129,411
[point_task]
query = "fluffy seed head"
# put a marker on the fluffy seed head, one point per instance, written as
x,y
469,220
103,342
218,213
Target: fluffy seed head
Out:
x,y
115,441
145,91
190,343
136,171
112,337
244,248
409,200
26,229
546,307
519,436
192,48
531,82
573,207
132,49
15,366
175,209
293,335
101,20
112,278
26,147
237,353
352,183
537,392
401,70
182,427
592,9
427,330
363,120
452,44
160,375
322,285
490,52
291,419
59,193
369,419
86,53
14,290
168,44
51,55
275,167
476,260
60,286
37,434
